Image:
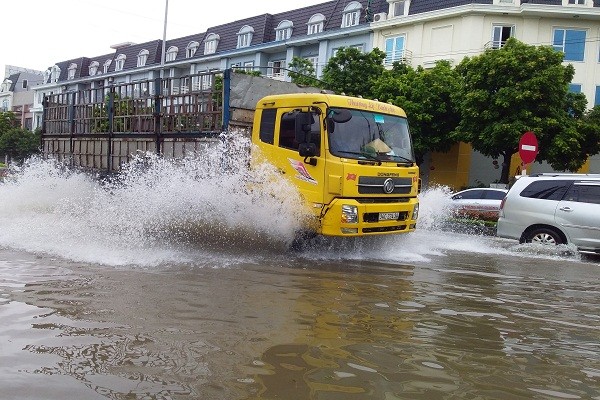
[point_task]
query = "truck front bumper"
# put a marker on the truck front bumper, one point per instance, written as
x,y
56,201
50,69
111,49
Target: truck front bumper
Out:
x,y
361,217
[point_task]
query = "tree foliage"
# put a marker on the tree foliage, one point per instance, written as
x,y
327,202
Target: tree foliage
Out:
x,y
520,88
302,72
18,144
353,72
427,96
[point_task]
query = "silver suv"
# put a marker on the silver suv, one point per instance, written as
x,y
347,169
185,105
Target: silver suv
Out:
x,y
553,209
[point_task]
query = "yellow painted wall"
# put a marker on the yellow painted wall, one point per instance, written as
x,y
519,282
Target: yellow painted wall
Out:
x,y
451,168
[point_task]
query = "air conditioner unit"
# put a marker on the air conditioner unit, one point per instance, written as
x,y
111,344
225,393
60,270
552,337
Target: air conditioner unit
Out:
x,y
379,17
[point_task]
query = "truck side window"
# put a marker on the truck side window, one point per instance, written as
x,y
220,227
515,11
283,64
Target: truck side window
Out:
x,y
287,132
267,125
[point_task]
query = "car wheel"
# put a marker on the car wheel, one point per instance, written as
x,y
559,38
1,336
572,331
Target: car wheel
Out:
x,y
543,236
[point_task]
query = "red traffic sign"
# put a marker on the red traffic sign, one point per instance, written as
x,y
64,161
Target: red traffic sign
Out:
x,y
528,147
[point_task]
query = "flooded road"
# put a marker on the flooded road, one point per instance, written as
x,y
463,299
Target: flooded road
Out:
x,y
151,305
296,326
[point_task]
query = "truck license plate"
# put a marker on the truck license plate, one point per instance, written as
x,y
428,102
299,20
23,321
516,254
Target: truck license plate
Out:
x,y
388,216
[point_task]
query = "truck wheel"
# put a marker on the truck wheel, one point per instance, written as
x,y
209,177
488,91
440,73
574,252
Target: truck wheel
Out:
x,y
543,236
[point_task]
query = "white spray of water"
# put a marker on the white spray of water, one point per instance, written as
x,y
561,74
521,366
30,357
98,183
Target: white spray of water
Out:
x,y
155,209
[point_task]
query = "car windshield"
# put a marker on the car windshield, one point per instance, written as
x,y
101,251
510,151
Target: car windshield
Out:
x,y
369,135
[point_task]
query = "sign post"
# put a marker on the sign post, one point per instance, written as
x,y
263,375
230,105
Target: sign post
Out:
x,y
528,149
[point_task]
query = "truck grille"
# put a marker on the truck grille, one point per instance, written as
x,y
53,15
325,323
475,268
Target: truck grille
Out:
x,y
375,185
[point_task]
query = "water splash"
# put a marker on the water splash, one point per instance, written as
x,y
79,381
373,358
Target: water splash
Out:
x,y
155,208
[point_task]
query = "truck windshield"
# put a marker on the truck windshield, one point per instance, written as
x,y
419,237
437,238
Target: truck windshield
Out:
x,y
369,135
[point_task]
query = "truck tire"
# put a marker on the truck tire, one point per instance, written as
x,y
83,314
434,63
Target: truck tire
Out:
x,y
546,236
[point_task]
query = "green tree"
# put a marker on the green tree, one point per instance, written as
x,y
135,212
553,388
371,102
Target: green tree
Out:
x,y
302,72
428,97
520,88
8,121
353,72
18,144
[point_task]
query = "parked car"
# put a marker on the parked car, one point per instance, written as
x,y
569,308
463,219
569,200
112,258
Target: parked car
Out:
x,y
553,209
479,203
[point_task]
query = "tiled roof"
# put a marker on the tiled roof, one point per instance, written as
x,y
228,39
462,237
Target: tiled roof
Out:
x,y
264,26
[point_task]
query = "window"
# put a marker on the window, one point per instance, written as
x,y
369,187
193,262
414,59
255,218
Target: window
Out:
x,y
584,193
571,42
394,49
249,66
267,125
142,58
597,98
576,2
545,189
55,73
4,105
71,71
500,34
575,87
106,65
171,54
399,8
93,68
245,36
284,30
24,84
315,24
191,48
120,62
211,43
287,131
276,69
351,14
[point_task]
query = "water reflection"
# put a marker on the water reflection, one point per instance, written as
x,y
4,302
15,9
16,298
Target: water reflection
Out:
x,y
458,326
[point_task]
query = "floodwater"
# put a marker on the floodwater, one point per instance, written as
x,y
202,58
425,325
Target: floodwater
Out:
x,y
133,291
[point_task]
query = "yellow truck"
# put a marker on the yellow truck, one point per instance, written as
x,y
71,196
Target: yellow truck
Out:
x,y
350,158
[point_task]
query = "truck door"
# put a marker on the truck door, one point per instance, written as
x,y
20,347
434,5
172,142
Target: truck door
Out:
x,y
308,175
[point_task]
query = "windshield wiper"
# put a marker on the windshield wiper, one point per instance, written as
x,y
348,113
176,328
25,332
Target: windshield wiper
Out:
x,y
404,158
356,153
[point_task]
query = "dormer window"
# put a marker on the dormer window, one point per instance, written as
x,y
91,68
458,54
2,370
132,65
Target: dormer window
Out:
x,y
398,8
93,68
191,48
575,2
54,74
211,43
351,15
284,30
171,54
71,71
120,62
315,24
245,36
106,65
142,57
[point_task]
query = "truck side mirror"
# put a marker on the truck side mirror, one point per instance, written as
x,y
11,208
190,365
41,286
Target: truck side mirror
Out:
x,y
303,127
307,149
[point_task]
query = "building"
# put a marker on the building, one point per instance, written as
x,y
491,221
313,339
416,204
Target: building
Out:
x,y
422,32
16,93
415,32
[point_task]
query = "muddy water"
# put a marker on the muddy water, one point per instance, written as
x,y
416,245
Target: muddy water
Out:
x,y
176,283
458,325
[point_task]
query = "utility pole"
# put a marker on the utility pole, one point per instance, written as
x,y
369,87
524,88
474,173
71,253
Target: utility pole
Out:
x,y
164,41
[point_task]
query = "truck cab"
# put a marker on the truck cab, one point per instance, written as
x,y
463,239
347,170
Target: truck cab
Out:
x,y
350,158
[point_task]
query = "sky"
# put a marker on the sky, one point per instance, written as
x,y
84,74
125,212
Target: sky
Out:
x,y
39,33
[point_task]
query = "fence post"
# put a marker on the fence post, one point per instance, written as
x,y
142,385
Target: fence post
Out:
x,y
157,109
111,116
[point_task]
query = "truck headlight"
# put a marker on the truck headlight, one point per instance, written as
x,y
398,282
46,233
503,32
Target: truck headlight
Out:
x,y
415,213
349,214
